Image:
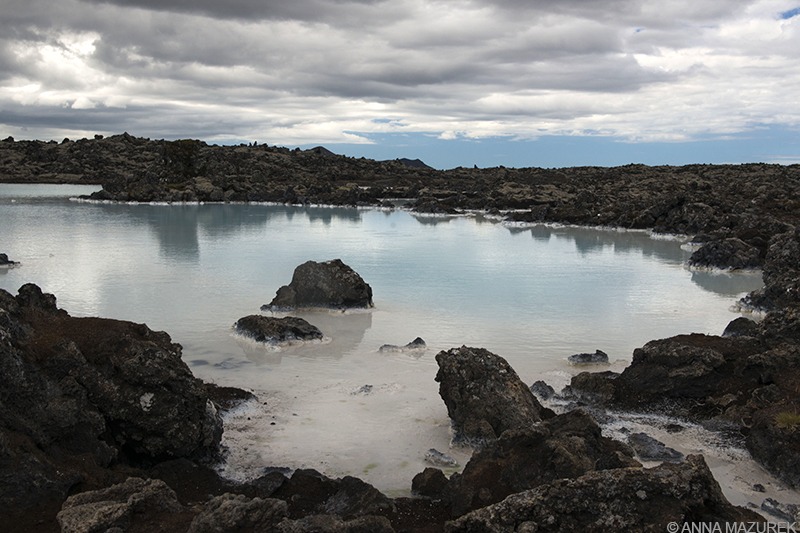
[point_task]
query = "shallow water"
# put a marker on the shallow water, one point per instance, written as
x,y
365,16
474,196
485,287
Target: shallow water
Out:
x,y
534,295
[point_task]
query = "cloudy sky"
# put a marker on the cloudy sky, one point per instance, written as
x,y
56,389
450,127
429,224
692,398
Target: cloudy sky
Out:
x,y
453,82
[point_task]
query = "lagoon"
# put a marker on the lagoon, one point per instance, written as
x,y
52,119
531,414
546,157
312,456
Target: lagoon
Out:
x,y
534,295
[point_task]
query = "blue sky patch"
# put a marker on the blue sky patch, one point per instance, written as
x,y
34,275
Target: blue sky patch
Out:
x,y
791,13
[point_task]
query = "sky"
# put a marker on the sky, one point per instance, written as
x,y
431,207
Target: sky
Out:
x,y
518,83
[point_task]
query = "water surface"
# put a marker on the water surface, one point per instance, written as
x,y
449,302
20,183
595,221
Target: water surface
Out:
x,y
533,295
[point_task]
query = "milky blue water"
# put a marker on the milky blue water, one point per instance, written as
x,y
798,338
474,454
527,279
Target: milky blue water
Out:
x,y
534,295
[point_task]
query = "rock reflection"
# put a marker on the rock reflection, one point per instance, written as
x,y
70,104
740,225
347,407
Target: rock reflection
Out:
x,y
343,331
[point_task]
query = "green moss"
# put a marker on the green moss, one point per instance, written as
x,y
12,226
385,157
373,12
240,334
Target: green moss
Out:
x,y
787,419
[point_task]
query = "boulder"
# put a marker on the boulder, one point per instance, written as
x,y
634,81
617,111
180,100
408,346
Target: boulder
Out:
x,y
741,327
566,446
327,285
235,512
542,390
79,393
277,330
598,357
621,499
437,458
114,507
334,524
484,396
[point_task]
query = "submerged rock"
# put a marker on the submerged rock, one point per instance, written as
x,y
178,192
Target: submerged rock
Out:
x,y
437,458
620,499
328,285
484,395
416,345
277,330
598,357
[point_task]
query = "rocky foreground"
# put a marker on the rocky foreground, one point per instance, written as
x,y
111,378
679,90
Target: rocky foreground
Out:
x,y
103,427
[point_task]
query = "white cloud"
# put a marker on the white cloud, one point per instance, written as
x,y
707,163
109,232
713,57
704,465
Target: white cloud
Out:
x,y
323,70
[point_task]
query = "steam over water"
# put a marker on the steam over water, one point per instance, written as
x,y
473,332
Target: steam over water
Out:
x,y
534,295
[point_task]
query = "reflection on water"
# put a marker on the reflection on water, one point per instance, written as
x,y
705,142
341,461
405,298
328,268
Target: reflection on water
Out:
x,y
193,270
343,331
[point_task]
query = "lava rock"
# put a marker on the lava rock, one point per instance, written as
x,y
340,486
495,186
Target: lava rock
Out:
x,y
234,512
729,254
5,261
327,285
542,390
621,499
566,446
437,458
277,330
650,449
484,395
416,345
598,357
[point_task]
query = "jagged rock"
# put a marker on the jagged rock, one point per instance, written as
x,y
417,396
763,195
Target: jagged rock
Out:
x,y
649,449
430,482
566,446
787,512
776,446
114,506
5,261
542,390
597,357
595,388
234,512
92,388
416,345
437,458
483,394
308,493
730,254
621,499
328,285
277,330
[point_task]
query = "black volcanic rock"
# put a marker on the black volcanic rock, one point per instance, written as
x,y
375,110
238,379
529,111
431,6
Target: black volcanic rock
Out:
x,y
484,395
327,285
277,330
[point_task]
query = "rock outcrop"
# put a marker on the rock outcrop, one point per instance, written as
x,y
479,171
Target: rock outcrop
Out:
x,y
621,499
417,345
277,330
484,395
327,285
5,261
567,446
79,393
598,357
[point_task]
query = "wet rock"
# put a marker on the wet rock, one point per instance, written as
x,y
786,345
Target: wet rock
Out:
x,y
598,357
542,390
566,446
115,506
437,458
328,285
621,499
277,330
729,254
774,445
788,512
416,345
483,394
649,449
234,512
596,388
